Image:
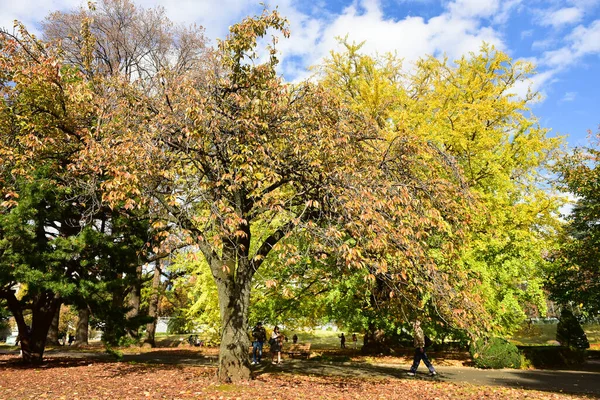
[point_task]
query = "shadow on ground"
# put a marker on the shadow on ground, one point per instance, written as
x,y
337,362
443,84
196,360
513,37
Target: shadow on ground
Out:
x,y
576,382
582,381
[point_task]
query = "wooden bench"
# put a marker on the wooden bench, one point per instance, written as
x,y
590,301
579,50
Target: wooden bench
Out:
x,y
298,349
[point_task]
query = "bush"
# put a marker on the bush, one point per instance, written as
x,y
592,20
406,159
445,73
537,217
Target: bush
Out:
x,y
495,353
569,332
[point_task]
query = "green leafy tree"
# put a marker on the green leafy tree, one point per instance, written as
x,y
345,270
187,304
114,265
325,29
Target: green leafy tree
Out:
x,y
574,277
34,269
569,332
58,243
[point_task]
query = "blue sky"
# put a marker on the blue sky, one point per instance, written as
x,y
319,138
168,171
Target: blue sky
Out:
x,y
561,37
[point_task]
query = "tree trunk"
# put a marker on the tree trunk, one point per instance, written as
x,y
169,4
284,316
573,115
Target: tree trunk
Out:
x,y
52,337
82,330
114,327
234,301
375,341
33,340
134,301
153,305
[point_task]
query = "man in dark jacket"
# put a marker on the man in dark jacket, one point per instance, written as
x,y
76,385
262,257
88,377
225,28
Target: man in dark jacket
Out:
x,y
419,342
259,335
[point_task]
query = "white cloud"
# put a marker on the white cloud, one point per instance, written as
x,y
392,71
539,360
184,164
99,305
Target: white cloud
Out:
x,y
535,84
569,96
585,4
569,203
582,41
32,12
586,40
473,8
455,32
559,58
563,16
527,33
507,8
543,44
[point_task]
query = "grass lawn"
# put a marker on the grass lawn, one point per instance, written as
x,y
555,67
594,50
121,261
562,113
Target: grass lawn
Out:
x,y
545,334
322,339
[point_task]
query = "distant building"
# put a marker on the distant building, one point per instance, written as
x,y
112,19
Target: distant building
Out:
x,y
162,323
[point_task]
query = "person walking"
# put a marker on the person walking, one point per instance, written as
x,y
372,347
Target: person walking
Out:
x,y
342,341
259,335
275,343
419,342
354,340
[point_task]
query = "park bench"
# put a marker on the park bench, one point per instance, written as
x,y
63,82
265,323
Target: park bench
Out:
x,y
298,349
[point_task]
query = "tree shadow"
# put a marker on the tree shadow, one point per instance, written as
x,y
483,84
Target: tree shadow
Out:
x,y
572,382
328,369
168,358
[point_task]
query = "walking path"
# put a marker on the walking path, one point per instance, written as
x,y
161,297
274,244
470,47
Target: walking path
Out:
x,y
580,382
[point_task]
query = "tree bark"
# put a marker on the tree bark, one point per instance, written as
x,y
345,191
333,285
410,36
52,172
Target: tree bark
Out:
x,y
234,300
82,330
33,339
234,364
114,329
153,305
52,337
375,341
134,301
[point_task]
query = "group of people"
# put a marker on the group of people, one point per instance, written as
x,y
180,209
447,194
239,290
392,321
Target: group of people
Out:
x,y
194,340
259,336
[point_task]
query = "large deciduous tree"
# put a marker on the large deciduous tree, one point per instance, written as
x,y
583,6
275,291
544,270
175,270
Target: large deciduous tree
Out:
x,y
250,166
118,38
116,42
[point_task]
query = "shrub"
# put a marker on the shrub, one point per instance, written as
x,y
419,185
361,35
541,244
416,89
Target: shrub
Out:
x,y
569,332
495,353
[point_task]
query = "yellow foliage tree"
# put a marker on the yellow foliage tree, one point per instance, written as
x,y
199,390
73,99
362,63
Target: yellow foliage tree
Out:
x,y
470,110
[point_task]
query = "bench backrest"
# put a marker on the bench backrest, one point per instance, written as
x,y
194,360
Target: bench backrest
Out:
x,y
298,347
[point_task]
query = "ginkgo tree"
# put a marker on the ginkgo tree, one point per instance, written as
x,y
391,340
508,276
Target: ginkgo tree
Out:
x,y
470,110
